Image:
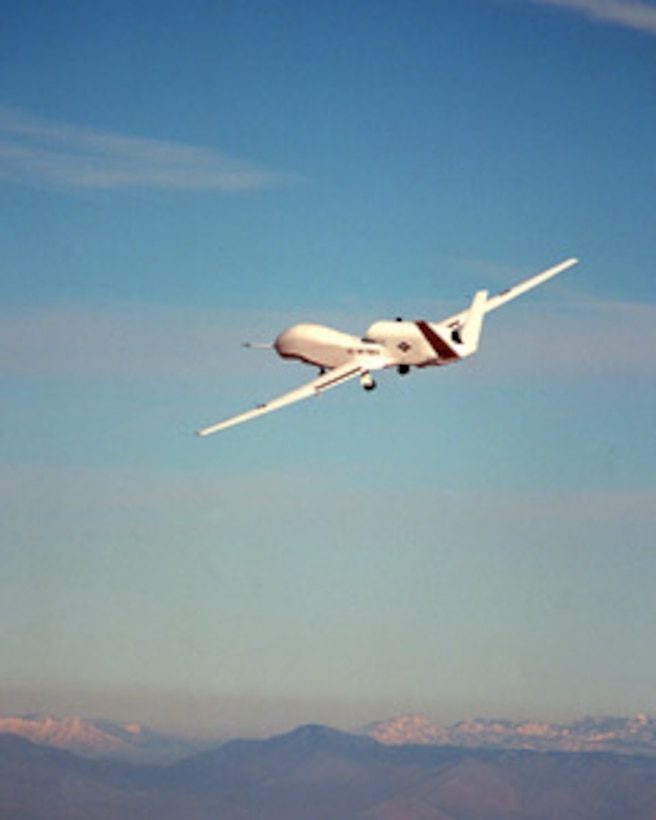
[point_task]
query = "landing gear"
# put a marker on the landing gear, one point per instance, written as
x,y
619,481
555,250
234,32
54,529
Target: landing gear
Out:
x,y
367,381
403,369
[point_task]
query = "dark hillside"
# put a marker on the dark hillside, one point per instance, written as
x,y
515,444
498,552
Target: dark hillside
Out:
x,y
315,773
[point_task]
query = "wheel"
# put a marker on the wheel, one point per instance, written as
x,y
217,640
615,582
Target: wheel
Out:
x,y
367,381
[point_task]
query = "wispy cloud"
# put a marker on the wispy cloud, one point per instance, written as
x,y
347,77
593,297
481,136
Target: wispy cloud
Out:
x,y
634,14
577,340
124,342
585,340
46,153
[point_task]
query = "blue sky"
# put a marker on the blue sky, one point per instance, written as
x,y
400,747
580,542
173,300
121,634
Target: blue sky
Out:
x,y
176,178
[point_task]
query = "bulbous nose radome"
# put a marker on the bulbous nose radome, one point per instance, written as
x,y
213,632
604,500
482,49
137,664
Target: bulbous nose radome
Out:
x,y
289,343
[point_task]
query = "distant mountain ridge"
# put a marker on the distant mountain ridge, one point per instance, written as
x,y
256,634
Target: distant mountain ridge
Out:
x,y
632,735
138,744
99,738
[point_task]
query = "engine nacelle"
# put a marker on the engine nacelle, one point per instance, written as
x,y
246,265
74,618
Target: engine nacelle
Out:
x,y
404,341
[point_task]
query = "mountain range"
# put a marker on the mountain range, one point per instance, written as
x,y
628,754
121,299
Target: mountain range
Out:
x,y
632,735
318,773
133,742
101,738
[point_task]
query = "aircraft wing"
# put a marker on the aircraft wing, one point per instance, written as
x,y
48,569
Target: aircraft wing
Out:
x,y
512,293
494,302
331,378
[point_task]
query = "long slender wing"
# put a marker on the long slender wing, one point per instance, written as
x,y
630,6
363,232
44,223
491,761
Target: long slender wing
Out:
x,y
332,378
494,302
512,293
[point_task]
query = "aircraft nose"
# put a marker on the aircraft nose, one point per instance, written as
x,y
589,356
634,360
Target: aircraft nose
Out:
x,y
290,341
283,340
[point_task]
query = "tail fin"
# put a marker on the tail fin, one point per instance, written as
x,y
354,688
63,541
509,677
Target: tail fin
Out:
x,y
459,336
469,333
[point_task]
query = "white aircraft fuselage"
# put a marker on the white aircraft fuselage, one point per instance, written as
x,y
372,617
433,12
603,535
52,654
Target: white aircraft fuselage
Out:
x,y
322,346
386,343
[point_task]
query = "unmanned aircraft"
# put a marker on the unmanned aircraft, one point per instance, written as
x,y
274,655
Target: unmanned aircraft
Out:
x,y
341,357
